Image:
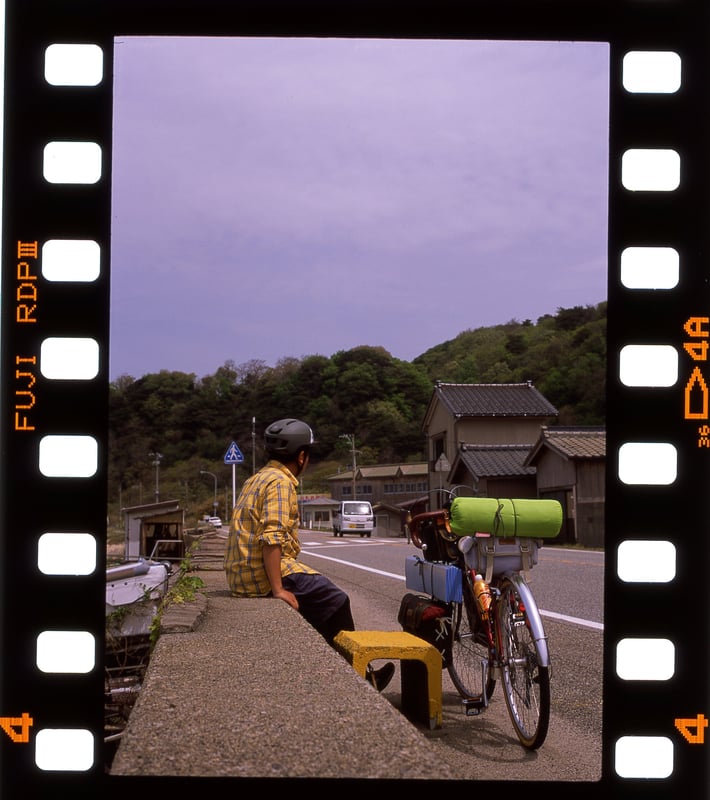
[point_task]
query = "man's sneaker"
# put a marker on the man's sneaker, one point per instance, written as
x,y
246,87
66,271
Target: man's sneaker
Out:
x,y
381,677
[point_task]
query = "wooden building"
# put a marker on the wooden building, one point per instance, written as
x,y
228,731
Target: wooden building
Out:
x,y
493,470
482,414
155,529
492,440
316,512
384,483
570,465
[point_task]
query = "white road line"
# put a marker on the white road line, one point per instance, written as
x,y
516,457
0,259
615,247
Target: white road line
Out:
x,y
356,566
355,543
575,620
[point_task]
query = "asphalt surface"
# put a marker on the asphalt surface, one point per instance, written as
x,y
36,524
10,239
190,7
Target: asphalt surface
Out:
x,y
240,687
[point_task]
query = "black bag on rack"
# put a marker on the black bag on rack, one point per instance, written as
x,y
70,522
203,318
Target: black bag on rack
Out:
x,y
426,618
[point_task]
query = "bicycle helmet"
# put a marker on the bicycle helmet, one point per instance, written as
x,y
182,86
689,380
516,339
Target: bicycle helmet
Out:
x,y
286,437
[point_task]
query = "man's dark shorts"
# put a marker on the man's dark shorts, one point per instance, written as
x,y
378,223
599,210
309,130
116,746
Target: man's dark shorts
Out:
x,y
321,603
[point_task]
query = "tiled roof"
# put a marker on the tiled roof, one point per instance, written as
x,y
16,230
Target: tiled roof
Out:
x,y
583,442
495,460
320,501
494,400
381,505
414,469
384,471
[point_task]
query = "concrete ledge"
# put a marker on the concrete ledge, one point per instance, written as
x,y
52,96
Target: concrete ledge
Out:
x,y
183,617
252,690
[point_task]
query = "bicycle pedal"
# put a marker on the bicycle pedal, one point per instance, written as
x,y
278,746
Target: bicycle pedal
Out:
x,y
473,707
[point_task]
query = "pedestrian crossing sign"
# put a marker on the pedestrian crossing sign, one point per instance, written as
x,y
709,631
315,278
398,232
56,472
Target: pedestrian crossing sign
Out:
x,y
233,455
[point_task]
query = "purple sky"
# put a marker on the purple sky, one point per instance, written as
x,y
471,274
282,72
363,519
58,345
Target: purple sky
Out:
x,y
286,197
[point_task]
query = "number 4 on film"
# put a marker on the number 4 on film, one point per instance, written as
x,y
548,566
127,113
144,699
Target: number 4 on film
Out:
x,y
693,730
9,725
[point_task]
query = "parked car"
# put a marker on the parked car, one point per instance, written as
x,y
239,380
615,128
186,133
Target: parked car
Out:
x,y
215,522
354,516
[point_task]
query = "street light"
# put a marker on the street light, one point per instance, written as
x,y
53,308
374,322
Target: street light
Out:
x,y
350,438
205,472
156,463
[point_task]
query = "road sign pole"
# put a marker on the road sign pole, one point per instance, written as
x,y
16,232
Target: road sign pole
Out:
x,y
233,456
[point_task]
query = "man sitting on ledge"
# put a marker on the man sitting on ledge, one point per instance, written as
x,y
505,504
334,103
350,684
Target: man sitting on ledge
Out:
x,y
261,559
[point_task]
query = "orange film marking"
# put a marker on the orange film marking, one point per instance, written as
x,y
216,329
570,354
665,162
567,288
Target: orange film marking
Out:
x,y
696,385
8,725
699,724
26,293
698,351
24,396
694,327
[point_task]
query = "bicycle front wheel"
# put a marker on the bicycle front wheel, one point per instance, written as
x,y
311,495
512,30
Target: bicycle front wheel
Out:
x,y
526,682
468,649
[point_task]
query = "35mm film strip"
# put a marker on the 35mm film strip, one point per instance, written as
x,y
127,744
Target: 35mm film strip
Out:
x,y
55,321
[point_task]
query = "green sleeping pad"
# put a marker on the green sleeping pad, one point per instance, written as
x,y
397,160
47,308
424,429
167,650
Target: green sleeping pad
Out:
x,y
537,519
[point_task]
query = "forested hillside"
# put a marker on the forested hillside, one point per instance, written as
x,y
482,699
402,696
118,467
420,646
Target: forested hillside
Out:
x,y
363,392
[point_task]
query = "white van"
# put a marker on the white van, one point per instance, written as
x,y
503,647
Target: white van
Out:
x,y
354,516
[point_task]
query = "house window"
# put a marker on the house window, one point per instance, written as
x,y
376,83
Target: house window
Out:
x,y
405,488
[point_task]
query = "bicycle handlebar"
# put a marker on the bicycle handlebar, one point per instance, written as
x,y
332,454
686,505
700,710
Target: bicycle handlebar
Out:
x,y
440,515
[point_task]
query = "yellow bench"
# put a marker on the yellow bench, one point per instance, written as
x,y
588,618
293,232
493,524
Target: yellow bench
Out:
x,y
420,666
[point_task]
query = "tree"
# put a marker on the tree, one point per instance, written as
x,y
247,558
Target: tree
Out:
x,y
364,390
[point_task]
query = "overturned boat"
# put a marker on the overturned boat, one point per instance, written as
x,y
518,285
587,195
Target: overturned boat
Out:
x,y
134,591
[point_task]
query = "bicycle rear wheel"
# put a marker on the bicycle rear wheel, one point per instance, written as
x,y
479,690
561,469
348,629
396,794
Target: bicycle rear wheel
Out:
x,y
526,682
468,648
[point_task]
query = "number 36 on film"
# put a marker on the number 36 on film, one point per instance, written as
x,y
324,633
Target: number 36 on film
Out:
x,y
696,389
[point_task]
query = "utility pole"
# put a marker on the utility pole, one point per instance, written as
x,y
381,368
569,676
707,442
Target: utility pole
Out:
x,y
350,438
157,456
253,445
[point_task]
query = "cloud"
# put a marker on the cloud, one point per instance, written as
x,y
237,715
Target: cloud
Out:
x,y
252,177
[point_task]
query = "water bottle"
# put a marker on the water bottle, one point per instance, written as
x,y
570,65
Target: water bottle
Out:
x,y
483,595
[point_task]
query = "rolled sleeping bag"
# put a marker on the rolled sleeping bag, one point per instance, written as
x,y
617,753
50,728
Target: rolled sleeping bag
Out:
x,y
533,518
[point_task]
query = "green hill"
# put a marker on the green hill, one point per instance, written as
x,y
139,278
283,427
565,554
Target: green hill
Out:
x,y
363,392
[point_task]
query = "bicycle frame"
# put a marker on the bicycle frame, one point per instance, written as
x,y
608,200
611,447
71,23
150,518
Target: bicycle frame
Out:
x,y
490,667
534,617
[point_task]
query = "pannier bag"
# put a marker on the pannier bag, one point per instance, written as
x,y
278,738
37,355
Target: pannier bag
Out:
x,y
425,618
441,581
536,519
492,555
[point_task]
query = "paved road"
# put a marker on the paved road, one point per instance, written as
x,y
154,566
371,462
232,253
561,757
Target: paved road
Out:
x,y
485,745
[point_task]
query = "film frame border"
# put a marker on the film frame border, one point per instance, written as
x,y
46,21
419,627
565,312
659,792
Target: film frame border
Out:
x,y
34,211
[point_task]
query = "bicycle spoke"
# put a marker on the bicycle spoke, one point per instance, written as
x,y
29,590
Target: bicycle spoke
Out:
x,y
468,651
526,683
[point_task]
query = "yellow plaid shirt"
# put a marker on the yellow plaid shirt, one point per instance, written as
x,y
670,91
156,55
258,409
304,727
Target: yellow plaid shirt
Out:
x,y
266,512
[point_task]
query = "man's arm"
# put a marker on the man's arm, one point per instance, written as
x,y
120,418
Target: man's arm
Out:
x,y
272,565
